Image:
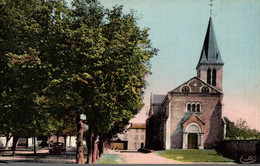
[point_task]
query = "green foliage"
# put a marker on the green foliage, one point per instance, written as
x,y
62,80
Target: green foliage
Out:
x,y
56,59
240,130
28,30
117,55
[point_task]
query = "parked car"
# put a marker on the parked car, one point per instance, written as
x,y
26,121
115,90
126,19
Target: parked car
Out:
x,y
57,148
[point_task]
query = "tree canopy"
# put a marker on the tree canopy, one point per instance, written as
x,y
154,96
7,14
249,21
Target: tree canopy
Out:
x,y
56,60
240,130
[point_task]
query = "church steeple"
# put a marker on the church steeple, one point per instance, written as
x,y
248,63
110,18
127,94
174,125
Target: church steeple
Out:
x,y
209,67
210,53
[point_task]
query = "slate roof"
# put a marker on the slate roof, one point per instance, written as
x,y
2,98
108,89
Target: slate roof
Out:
x,y
158,99
210,53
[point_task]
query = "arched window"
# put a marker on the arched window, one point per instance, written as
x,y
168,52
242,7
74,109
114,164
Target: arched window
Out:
x,y
198,108
205,90
193,107
214,77
209,76
185,89
188,107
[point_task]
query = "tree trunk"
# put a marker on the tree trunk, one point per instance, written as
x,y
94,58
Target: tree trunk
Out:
x,y
79,153
15,141
70,142
100,145
106,145
49,142
94,149
65,141
8,137
89,145
43,142
57,137
26,142
34,145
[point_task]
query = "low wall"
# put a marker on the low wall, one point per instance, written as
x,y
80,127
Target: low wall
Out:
x,y
240,150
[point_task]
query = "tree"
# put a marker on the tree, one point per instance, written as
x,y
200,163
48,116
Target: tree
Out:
x,y
118,59
11,14
27,39
240,130
62,59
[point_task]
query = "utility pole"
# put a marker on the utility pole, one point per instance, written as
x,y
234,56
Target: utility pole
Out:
x,y
79,152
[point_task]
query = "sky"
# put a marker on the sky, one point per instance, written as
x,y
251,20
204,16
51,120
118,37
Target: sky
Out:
x,y
178,28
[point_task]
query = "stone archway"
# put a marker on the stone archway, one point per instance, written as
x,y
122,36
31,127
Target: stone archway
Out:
x,y
192,137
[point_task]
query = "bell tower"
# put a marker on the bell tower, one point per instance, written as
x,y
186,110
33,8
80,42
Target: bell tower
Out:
x,y
210,65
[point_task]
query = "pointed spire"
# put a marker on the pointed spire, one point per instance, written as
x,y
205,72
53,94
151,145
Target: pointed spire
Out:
x,y
210,53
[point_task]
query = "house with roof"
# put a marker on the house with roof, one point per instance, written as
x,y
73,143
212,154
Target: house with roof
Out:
x,y
132,138
190,116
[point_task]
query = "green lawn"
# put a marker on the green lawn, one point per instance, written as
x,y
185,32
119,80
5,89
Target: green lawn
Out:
x,y
106,158
193,155
110,159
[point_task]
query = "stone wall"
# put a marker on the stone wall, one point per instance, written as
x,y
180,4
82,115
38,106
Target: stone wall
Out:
x,y
235,149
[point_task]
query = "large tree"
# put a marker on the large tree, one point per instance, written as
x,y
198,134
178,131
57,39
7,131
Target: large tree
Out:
x,y
117,54
57,60
27,46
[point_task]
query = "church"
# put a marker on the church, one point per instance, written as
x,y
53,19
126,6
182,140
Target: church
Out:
x,y
190,116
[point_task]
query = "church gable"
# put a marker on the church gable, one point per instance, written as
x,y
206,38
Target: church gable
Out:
x,y
194,119
195,85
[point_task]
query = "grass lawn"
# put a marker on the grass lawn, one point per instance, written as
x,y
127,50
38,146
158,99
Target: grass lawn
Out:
x,y
110,159
106,158
193,155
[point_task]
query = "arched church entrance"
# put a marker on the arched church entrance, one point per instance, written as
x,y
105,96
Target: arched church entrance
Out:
x,y
192,137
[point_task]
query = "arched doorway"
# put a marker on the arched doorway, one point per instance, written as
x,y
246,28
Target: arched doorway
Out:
x,y
192,137
193,141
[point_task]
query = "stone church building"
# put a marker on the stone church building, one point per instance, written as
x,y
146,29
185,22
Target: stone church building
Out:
x,y
190,116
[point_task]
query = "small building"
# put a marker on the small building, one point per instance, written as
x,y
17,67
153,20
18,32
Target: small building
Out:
x,y
133,138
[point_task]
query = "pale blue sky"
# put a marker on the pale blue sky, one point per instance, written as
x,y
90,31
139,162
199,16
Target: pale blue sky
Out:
x,y
178,28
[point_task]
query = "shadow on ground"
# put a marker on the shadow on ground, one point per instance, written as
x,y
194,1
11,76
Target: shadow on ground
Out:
x,y
68,158
128,151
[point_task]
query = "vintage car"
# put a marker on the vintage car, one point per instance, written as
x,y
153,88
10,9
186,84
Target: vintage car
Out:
x,y
57,148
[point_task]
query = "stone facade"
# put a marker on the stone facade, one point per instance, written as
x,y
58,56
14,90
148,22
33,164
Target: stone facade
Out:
x,y
190,116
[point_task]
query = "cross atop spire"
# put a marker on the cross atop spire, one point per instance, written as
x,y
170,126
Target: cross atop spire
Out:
x,y
211,4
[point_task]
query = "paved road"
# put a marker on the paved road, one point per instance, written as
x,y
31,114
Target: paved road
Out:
x,y
134,157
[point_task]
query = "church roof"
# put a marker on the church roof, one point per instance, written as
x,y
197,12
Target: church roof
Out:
x,y
158,99
210,53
